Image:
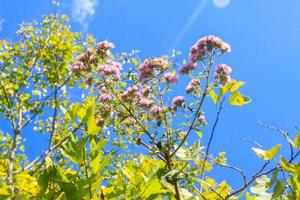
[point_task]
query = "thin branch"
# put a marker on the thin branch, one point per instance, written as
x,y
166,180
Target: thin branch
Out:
x,y
44,102
198,109
287,183
49,151
284,133
86,171
12,158
53,118
9,104
254,142
211,138
212,189
254,177
143,143
225,165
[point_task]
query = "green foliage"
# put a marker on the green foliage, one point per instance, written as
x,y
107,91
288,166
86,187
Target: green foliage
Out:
x,y
98,107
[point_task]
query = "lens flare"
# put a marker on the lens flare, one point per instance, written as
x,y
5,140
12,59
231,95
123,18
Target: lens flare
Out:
x,y
221,3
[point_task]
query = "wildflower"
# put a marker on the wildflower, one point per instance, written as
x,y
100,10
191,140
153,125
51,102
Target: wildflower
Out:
x,y
156,111
187,68
149,68
105,97
145,102
82,57
202,120
171,77
192,86
110,68
77,67
178,101
222,74
129,121
88,80
207,44
103,48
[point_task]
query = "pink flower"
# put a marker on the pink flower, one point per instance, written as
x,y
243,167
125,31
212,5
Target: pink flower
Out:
x,y
110,68
179,100
106,45
156,111
222,74
149,68
192,86
89,51
145,102
133,92
187,68
77,67
88,80
82,57
202,120
189,89
129,121
103,48
105,97
207,44
171,77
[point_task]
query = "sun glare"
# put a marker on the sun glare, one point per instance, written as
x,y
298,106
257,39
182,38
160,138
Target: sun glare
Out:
x,y
221,3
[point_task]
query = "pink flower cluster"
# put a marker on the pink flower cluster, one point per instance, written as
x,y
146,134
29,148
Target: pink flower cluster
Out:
x,y
133,92
179,100
83,62
110,68
222,74
187,68
202,120
156,111
171,77
207,44
103,48
144,102
105,97
149,68
202,47
192,86
129,121
137,93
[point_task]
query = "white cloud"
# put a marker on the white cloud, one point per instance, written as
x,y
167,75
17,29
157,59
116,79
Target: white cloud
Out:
x,y
1,22
221,3
83,10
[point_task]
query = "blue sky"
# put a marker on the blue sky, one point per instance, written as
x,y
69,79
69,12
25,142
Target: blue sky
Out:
x,y
265,41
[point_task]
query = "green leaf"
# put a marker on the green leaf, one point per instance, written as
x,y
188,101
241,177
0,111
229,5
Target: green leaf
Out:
x,y
199,133
236,86
278,189
270,154
237,99
213,95
297,140
273,179
287,166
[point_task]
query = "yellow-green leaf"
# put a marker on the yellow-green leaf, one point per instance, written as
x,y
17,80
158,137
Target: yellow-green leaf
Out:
x,y
237,99
270,154
297,141
215,98
236,86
